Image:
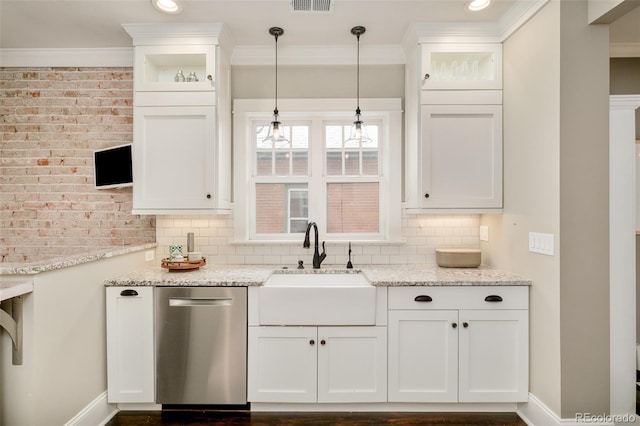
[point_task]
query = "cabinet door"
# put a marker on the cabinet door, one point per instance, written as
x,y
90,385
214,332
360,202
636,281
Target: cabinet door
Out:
x,y
130,359
282,364
447,66
174,159
352,364
494,355
461,156
423,356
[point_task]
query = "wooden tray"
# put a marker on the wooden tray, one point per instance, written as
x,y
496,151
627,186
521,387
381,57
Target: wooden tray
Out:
x,y
183,265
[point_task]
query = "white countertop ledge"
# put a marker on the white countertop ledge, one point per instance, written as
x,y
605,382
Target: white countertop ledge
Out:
x,y
378,275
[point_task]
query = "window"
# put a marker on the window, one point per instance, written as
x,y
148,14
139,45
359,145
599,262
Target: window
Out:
x,y
351,190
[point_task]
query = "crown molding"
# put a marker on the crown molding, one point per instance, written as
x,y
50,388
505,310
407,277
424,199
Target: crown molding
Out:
x,y
475,32
624,102
174,33
94,57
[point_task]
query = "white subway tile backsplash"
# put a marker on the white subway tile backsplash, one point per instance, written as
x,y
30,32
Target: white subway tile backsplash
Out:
x,y
421,235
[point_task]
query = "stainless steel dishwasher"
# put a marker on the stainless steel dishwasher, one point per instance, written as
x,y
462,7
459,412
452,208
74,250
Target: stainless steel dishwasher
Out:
x,y
201,345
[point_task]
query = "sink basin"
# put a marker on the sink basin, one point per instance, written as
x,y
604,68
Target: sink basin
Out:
x,y
317,299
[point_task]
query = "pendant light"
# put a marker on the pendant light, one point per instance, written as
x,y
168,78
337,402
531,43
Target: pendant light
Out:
x,y
358,133
275,134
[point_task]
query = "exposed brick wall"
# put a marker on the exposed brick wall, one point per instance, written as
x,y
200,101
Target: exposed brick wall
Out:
x,y
51,120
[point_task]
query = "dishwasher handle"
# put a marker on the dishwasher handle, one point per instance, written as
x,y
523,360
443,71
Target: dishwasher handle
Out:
x,y
200,301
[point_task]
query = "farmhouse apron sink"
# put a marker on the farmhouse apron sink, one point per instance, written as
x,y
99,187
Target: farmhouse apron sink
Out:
x,y
342,298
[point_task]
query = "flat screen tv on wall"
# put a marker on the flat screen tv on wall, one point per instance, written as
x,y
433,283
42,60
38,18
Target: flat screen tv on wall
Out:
x,y
113,167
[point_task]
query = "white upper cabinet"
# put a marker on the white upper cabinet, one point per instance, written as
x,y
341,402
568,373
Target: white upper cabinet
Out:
x,y
461,164
454,128
453,66
182,119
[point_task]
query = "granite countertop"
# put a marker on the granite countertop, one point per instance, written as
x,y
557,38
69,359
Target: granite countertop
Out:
x,y
85,256
378,275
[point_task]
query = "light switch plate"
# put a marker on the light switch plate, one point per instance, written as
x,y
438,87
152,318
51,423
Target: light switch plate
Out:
x,y
149,255
541,243
484,233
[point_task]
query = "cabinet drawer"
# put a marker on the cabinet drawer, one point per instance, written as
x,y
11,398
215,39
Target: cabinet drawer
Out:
x,y
476,297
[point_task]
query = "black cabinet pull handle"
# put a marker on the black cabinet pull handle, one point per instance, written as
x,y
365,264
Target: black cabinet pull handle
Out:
x,y
208,196
128,292
465,324
493,298
312,342
426,195
427,76
323,342
423,298
454,325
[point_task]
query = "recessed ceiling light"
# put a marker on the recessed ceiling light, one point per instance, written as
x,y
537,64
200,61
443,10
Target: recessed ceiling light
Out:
x,y
167,6
476,5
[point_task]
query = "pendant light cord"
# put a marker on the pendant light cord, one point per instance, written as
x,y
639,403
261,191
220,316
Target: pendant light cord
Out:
x,y
276,32
275,111
358,78
358,31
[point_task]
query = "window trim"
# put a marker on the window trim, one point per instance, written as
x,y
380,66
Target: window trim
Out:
x,y
319,111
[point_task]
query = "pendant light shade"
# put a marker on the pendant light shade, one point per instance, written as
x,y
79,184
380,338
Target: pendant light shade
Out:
x,y
276,134
358,133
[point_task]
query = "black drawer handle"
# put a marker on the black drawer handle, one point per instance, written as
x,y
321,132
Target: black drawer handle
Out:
x,y
423,298
493,298
128,292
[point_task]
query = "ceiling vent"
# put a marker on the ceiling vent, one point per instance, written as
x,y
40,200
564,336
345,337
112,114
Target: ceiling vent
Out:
x,y
311,6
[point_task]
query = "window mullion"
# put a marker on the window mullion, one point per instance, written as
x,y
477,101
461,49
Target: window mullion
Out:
x,y
317,187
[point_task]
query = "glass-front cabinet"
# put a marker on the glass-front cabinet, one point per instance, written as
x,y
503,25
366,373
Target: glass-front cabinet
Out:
x,y
451,66
182,119
175,68
454,128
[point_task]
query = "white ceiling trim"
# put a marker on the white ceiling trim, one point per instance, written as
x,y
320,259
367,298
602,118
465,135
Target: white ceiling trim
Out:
x,y
476,32
90,57
517,17
242,55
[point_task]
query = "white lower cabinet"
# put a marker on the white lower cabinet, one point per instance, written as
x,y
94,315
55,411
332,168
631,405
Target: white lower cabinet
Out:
x,y
438,353
317,364
423,355
493,356
130,357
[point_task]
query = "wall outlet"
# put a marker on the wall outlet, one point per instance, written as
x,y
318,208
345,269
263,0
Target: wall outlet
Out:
x,y
484,233
149,255
541,243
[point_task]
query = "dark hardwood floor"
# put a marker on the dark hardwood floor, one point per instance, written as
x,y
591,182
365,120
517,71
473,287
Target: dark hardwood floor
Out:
x,y
228,418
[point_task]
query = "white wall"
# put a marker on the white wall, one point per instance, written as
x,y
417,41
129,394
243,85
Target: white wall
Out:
x,y
531,188
64,365
556,181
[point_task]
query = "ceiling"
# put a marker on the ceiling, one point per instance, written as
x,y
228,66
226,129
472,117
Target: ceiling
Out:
x,y
93,23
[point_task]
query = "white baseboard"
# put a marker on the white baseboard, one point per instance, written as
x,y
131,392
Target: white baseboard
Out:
x,y
97,413
536,413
